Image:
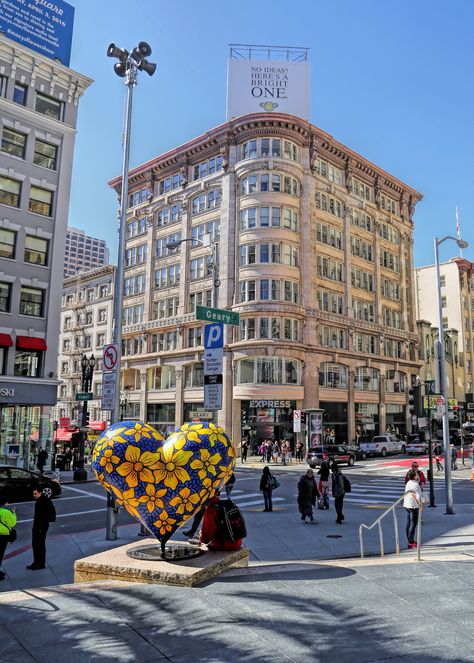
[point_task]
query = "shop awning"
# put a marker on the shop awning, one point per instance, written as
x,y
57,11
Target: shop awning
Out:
x,y
30,343
6,340
97,425
63,435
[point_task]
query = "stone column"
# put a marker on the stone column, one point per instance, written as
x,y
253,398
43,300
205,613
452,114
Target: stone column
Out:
x,y
311,381
382,413
351,407
179,400
184,261
143,395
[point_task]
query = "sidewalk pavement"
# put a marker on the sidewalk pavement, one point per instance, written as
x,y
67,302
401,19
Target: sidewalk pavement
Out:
x,y
293,612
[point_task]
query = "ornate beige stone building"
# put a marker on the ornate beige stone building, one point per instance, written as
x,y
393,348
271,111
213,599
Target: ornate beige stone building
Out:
x,y
315,253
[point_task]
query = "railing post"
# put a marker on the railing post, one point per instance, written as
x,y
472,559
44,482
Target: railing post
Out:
x,y
418,539
361,543
395,524
382,552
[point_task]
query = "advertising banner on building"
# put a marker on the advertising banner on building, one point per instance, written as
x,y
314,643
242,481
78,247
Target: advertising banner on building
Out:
x,y
256,86
43,25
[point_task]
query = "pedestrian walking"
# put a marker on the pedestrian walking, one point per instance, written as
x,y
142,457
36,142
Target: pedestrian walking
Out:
x,y
288,453
45,513
262,452
229,486
68,459
269,448
411,502
338,491
324,472
266,487
283,454
7,524
41,460
307,495
299,452
244,447
419,475
438,459
275,451
454,458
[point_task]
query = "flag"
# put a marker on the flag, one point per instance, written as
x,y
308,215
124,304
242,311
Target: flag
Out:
x,y
458,227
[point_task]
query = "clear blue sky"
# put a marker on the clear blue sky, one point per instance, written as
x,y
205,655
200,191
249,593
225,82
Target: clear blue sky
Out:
x,y
392,80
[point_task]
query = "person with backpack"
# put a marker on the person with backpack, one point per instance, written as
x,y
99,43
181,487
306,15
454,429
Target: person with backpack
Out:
x,y
324,472
7,529
45,513
307,495
219,532
267,483
339,489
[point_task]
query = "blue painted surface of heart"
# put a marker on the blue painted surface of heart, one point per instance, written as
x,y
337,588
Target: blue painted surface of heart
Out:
x,y
162,482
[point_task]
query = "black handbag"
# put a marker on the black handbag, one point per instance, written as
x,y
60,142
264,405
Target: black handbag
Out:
x,y
12,535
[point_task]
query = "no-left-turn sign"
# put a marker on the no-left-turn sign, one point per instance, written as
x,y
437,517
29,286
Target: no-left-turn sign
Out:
x,y
110,357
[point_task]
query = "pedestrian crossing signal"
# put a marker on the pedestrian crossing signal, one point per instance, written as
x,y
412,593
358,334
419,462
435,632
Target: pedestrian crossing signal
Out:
x,y
415,401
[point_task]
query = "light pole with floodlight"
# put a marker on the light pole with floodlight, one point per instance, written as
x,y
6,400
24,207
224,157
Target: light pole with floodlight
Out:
x,y
127,66
442,374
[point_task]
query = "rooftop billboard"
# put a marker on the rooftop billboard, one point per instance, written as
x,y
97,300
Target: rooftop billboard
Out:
x,y
269,85
42,25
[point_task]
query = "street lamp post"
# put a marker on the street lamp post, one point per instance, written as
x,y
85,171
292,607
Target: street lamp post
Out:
x,y
87,365
442,375
214,244
127,66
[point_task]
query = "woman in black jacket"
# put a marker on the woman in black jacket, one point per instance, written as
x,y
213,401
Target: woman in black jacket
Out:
x,y
266,486
307,495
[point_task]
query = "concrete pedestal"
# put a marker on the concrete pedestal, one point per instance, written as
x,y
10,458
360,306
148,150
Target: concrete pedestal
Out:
x,y
115,564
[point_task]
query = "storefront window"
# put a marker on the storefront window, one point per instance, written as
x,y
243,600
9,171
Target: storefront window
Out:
x,y
366,421
268,370
27,363
366,379
334,422
395,420
162,417
267,420
333,375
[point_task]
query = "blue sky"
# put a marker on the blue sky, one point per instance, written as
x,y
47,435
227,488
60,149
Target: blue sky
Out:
x,y
390,79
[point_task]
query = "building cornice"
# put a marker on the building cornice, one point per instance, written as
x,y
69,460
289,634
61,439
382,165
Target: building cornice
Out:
x,y
303,132
90,275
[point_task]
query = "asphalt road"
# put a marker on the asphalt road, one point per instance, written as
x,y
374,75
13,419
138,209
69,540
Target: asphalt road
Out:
x,y
376,483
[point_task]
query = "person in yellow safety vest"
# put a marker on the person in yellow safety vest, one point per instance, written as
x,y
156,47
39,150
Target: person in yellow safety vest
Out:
x,y
7,524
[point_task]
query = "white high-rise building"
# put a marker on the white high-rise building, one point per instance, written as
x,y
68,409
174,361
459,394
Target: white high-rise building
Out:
x,y
83,252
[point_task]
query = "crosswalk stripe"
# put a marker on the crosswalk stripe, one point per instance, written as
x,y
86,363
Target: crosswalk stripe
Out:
x,y
376,500
245,496
242,505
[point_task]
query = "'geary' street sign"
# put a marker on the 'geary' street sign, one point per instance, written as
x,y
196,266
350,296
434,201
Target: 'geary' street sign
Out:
x,y
217,315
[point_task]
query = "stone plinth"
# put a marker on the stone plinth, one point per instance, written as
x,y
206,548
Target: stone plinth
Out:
x,y
115,564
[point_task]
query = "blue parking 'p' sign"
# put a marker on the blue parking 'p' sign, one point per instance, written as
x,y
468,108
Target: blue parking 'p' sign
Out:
x,y
214,335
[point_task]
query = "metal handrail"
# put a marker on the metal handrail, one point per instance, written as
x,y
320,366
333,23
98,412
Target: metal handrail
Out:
x,y
395,524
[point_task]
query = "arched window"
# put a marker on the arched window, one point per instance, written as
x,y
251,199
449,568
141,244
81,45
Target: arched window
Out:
x,y
366,379
333,375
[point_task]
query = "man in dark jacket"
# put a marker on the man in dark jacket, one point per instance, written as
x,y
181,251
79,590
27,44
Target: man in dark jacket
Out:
x,y
42,458
307,495
338,491
45,513
324,484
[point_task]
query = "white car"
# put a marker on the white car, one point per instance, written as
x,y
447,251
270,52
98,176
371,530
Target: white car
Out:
x,y
381,445
415,446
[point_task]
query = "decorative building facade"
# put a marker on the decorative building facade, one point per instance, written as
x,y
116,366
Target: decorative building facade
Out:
x,y
86,326
315,253
83,252
39,100
457,301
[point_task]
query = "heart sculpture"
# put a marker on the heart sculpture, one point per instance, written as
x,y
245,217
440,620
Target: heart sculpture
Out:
x,y
162,482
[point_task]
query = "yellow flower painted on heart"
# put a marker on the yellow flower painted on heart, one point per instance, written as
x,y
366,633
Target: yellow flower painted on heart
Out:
x,y
108,460
164,523
185,500
216,434
140,430
225,472
130,502
153,497
207,490
206,464
170,468
138,465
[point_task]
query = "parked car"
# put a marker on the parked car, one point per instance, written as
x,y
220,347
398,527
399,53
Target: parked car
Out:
x,y
16,484
338,452
358,452
383,445
416,446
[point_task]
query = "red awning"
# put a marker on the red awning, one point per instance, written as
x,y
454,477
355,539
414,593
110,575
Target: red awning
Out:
x,y
63,435
30,343
97,425
6,340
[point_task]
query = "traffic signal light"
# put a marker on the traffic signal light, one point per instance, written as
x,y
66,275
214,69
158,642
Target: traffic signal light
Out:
x,y
87,417
415,401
